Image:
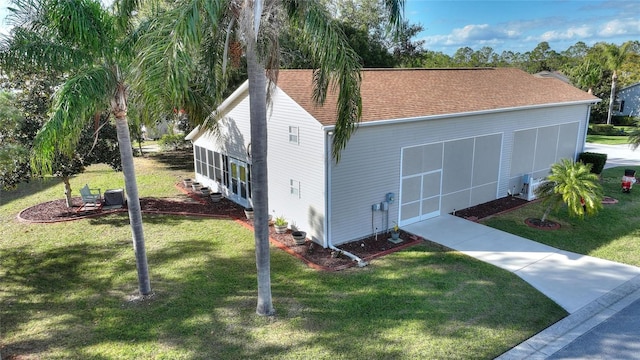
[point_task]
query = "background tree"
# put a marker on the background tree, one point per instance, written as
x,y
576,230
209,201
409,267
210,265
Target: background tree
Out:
x,y
13,153
615,58
179,38
571,184
87,43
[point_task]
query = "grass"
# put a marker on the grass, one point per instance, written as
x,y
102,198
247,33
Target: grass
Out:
x,y
608,139
611,234
67,291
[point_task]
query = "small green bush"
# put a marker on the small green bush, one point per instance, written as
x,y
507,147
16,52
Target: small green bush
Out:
x,y
597,161
603,129
172,142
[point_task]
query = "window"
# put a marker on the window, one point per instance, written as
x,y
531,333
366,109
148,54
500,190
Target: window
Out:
x,y
201,160
210,162
295,188
293,135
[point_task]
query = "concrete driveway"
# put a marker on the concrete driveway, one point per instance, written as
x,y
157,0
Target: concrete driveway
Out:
x,y
617,155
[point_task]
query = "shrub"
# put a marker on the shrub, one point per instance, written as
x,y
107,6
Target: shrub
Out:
x,y
172,142
603,129
624,120
597,161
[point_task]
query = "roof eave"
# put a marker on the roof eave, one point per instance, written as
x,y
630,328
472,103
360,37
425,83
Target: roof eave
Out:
x,y
468,113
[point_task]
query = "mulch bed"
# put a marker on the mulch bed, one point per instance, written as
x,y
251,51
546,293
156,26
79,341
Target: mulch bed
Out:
x,y
313,254
491,208
542,225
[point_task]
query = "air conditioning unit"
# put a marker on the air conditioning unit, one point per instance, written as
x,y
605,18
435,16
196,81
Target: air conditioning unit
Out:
x,y
531,188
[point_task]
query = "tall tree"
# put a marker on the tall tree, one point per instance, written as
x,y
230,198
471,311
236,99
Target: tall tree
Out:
x,y
87,43
616,56
201,26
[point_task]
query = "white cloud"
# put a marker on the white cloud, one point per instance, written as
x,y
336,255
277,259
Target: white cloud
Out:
x,y
474,33
571,33
619,27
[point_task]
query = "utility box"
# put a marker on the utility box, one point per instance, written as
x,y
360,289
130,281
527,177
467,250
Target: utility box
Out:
x,y
114,199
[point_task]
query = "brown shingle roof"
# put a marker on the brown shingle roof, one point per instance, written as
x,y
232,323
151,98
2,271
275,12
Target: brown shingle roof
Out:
x,y
408,93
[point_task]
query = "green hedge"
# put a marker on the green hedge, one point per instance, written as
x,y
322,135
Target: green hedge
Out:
x,y
603,129
596,160
624,120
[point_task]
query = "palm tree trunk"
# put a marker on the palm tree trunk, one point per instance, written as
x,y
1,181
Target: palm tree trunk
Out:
x,y
131,187
612,97
259,194
546,213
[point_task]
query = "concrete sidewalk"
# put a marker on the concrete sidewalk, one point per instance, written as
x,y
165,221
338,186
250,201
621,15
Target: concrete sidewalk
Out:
x,y
592,290
571,280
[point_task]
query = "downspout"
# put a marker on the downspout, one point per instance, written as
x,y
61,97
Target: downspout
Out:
x,y
327,220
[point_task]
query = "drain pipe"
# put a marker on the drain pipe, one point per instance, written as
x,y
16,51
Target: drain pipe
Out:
x,y
361,263
328,162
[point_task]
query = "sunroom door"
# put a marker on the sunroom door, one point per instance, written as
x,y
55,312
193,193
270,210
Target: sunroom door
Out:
x,y
239,182
420,183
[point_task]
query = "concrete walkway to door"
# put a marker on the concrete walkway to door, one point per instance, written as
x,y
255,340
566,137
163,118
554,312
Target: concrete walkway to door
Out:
x,y
571,280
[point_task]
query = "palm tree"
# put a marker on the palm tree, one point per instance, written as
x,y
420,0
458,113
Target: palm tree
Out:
x,y
616,57
587,75
83,41
573,184
209,27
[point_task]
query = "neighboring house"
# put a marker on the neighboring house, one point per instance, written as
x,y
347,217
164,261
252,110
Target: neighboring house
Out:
x,y
430,142
628,101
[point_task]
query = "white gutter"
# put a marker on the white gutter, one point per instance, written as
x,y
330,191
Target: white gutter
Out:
x,y
462,114
327,203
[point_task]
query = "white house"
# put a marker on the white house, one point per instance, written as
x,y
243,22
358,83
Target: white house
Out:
x,y
430,142
628,101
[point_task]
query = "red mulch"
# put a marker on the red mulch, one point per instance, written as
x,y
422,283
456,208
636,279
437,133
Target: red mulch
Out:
x,y
313,254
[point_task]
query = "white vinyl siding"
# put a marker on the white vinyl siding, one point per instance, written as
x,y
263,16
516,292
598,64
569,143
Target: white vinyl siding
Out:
x,y
370,165
296,165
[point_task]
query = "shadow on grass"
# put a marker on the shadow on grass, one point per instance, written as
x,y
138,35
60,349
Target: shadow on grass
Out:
x,y
23,190
122,219
181,160
205,298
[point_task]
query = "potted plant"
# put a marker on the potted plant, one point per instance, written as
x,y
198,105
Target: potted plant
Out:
x,y
196,186
216,196
187,182
299,236
395,233
280,224
205,191
248,212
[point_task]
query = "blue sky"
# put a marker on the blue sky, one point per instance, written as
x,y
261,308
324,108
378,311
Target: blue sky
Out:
x,y
520,26
515,25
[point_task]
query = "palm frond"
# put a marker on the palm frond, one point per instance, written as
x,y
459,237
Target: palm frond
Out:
x,y
124,11
83,23
572,184
30,52
178,60
338,66
73,106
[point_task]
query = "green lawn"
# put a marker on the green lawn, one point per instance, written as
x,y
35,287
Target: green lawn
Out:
x,y
66,292
608,140
612,234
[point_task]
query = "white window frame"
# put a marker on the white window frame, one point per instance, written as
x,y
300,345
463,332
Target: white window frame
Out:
x,y
294,135
294,188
